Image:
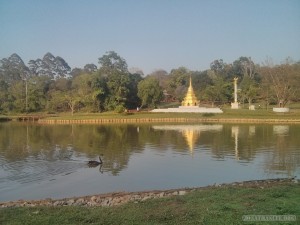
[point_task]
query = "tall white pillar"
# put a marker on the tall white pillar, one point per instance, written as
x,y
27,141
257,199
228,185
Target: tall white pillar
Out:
x,y
235,104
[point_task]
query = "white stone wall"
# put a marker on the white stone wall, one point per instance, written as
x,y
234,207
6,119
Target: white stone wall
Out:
x,y
189,109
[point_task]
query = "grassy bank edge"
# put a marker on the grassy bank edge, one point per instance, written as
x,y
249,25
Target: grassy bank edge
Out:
x,y
214,205
240,115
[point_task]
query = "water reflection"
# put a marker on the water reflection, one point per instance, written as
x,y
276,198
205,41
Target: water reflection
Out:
x,y
138,156
235,135
118,142
191,133
281,129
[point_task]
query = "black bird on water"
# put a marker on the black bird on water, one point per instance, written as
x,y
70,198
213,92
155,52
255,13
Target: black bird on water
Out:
x,y
94,163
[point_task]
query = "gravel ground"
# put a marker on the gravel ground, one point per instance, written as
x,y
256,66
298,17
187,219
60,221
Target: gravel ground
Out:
x,y
114,199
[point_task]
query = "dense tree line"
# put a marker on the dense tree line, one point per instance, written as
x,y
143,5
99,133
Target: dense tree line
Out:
x,y
50,85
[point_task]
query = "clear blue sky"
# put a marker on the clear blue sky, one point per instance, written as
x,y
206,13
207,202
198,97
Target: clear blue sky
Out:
x,y
151,34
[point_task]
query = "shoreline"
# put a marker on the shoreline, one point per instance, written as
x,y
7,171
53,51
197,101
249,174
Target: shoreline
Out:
x,y
120,198
167,120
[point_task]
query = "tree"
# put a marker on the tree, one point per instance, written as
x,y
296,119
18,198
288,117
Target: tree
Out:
x,y
136,70
162,77
13,69
110,62
283,80
150,92
118,87
5,100
114,69
249,89
76,72
223,69
178,83
133,100
54,67
73,100
18,96
219,90
14,72
88,91
37,93
90,68
61,84
245,69
61,101
244,66
218,66
100,93
201,80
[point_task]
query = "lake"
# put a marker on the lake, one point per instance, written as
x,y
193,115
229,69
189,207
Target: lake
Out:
x,y
50,161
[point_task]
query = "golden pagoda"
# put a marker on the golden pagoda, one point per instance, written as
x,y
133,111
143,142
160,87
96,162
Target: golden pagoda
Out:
x,y
190,98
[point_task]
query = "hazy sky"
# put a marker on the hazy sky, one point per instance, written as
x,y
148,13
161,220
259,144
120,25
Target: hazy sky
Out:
x,y
151,34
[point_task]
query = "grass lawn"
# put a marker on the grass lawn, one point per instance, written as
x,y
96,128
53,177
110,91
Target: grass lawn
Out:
x,y
222,205
228,113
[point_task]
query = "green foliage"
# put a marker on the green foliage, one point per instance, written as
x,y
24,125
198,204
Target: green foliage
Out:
x,y
249,89
120,109
219,91
17,91
111,62
179,81
13,69
4,96
46,84
117,84
244,66
53,67
150,92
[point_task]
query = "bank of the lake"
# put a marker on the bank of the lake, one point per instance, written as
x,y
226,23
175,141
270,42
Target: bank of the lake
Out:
x,y
218,204
229,116
168,120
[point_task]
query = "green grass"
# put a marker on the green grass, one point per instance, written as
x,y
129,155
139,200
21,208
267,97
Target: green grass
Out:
x,y
223,205
228,113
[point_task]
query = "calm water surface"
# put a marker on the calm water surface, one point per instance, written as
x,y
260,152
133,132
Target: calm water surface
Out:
x,y
41,161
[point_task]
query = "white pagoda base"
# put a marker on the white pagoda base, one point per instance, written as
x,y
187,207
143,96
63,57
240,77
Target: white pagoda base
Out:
x,y
281,110
189,109
234,105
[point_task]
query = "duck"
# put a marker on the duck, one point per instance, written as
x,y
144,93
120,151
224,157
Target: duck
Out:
x,y
94,163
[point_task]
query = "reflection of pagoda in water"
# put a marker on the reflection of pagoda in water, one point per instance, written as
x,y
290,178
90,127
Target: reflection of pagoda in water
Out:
x,y
191,136
191,133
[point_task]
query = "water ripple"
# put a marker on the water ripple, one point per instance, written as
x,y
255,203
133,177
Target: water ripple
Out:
x,y
35,170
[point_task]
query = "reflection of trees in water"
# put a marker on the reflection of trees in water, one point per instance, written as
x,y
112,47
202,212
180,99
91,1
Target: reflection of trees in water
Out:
x,y
279,148
19,141
284,157
118,142
164,140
